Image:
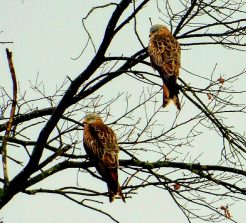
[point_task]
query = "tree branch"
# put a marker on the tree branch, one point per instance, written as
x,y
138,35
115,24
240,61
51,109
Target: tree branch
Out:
x,y
11,118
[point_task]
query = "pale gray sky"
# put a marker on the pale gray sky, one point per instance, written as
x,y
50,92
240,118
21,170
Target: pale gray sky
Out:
x,y
46,35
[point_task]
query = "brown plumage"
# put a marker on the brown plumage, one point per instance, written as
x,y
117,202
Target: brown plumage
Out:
x,y
164,51
101,145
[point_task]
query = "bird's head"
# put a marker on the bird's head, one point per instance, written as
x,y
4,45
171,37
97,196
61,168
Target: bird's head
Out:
x,y
91,117
156,28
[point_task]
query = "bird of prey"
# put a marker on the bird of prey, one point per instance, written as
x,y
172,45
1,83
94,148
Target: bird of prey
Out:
x,y
164,51
101,145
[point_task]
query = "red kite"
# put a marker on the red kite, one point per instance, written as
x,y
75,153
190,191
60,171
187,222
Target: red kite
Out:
x,y
164,51
101,145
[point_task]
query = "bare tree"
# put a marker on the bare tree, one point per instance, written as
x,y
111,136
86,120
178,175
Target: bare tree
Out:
x,y
142,125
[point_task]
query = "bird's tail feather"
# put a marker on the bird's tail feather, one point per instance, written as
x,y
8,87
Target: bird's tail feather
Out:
x,y
169,96
166,96
176,101
113,194
114,188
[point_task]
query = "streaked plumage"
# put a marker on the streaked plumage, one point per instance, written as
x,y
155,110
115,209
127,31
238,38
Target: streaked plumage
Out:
x,y
164,51
101,145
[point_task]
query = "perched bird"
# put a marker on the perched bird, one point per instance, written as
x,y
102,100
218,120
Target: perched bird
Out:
x,y
164,51
101,145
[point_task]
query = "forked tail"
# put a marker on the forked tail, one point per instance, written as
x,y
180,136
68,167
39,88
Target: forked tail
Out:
x,y
114,193
170,96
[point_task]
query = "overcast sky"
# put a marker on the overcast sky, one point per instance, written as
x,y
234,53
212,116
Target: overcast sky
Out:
x,y
46,35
